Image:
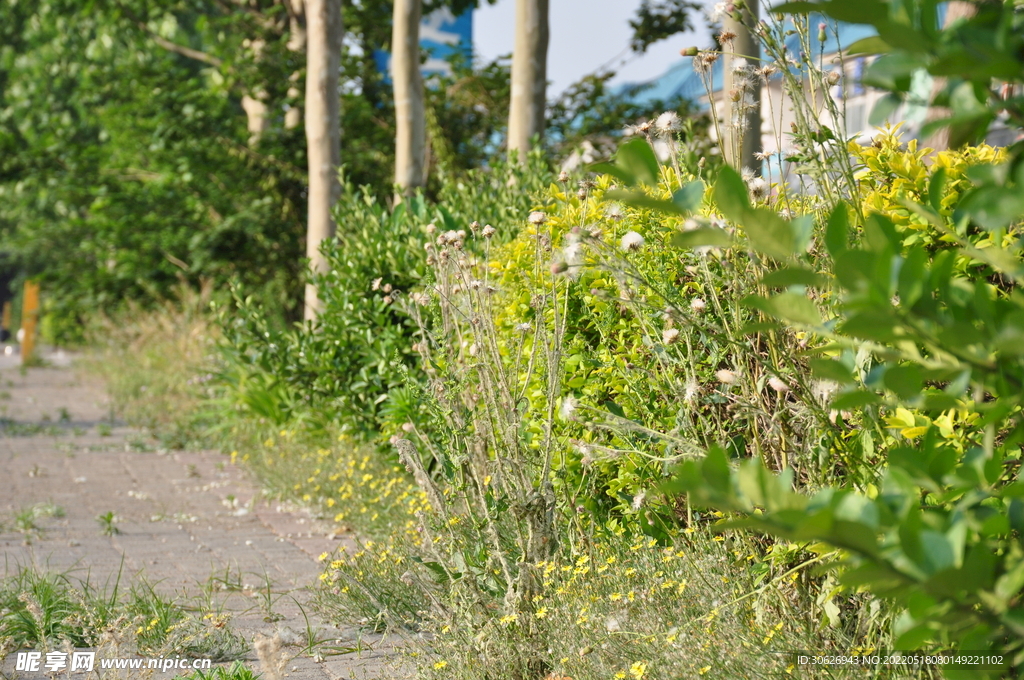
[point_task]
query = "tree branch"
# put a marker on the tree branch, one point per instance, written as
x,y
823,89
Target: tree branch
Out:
x,y
181,49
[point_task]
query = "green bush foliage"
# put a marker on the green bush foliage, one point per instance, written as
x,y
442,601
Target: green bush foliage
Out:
x,y
340,370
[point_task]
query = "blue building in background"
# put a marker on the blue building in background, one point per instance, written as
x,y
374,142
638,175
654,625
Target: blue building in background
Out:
x,y
442,35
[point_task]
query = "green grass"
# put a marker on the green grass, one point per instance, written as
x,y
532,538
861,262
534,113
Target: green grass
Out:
x,y
236,671
49,609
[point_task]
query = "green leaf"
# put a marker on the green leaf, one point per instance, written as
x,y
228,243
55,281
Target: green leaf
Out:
x,y
906,380
640,200
915,638
619,173
936,187
912,277
704,236
787,306
872,45
883,109
793,276
831,370
837,230
854,399
769,233
690,197
637,158
731,194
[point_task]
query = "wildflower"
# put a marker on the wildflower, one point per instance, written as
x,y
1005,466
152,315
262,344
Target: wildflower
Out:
x,y
537,218
670,335
488,231
523,327
833,77
638,669
778,385
430,229
758,187
691,391
376,284
440,664
632,241
563,177
667,123
614,212
726,376
823,389
541,613
720,11
508,620
612,624
474,226
698,305
569,405
638,499
739,65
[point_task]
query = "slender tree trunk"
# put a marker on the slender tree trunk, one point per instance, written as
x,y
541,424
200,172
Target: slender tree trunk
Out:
x,y
296,43
529,75
255,103
411,137
743,92
323,131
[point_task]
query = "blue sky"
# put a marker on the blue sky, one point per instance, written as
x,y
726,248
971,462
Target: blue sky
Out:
x,y
585,35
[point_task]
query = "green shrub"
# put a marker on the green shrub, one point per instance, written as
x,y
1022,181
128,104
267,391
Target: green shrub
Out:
x,y
340,370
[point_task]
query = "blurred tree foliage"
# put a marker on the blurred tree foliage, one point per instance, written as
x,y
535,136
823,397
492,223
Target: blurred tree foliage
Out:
x,y
126,163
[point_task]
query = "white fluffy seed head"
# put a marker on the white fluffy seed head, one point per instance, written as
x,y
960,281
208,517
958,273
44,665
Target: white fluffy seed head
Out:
x,y
668,122
726,377
631,241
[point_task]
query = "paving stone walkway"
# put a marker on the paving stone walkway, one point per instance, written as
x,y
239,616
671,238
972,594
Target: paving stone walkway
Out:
x,y
183,519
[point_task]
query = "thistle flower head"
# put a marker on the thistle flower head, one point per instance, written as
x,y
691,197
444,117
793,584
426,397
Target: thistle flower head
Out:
x,y
568,408
631,241
726,377
668,123
488,231
778,384
538,218
698,305
670,336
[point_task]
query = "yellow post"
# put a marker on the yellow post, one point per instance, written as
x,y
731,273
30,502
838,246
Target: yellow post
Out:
x,y
29,317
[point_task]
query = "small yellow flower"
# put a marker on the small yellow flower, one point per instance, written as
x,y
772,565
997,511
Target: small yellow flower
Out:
x,y
704,670
440,664
323,556
541,613
615,597
638,669
507,620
